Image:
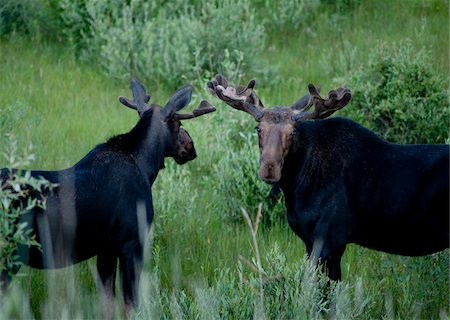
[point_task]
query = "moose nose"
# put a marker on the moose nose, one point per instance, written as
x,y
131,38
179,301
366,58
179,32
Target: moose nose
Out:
x,y
270,172
192,155
184,157
270,180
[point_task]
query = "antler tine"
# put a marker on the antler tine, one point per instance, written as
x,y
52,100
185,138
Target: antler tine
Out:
x,y
203,108
241,90
140,98
314,91
241,98
222,80
139,94
131,104
127,102
250,94
324,107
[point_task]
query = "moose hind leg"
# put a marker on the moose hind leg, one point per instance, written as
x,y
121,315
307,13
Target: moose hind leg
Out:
x,y
106,268
5,278
130,269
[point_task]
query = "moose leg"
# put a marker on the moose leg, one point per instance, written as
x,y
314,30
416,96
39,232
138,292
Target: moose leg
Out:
x,y
106,268
330,237
309,248
130,269
328,254
5,278
333,264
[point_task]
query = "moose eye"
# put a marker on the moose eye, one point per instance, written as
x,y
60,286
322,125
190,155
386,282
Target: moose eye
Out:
x,y
258,129
293,133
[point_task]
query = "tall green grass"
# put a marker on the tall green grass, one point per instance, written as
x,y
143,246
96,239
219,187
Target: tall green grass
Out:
x,y
65,108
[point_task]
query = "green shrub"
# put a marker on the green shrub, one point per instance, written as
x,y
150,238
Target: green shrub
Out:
x,y
159,41
18,16
32,17
166,42
75,23
19,194
230,40
398,95
116,35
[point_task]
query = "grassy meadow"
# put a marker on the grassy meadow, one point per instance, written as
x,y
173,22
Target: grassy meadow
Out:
x,y
197,261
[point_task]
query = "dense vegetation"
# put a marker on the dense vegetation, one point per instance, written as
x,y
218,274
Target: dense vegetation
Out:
x,y
63,63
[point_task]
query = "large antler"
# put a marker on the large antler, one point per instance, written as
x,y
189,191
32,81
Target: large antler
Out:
x,y
178,101
240,98
203,108
140,98
323,107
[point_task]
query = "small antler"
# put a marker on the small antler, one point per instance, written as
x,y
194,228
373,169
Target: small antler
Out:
x,y
203,108
323,107
240,98
140,98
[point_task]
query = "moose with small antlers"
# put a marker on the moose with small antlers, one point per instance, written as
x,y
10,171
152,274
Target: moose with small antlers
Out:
x,y
102,206
344,184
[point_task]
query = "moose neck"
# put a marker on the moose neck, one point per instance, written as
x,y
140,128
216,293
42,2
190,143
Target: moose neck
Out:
x,y
296,161
150,151
320,152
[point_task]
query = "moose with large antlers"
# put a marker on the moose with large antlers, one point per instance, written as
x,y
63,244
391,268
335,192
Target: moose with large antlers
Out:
x,y
344,184
102,206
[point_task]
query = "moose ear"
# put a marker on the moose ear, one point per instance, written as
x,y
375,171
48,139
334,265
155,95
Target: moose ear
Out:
x,y
178,101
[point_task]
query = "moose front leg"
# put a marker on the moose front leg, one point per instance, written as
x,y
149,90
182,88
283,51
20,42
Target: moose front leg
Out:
x,y
327,252
324,248
332,264
328,241
130,270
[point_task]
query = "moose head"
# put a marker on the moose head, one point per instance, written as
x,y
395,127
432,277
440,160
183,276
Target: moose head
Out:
x,y
277,126
167,119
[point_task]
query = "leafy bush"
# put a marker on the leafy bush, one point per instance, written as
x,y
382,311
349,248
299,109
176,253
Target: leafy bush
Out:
x,y
165,42
230,28
18,16
115,37
397,94
33,17
19,194
75,23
